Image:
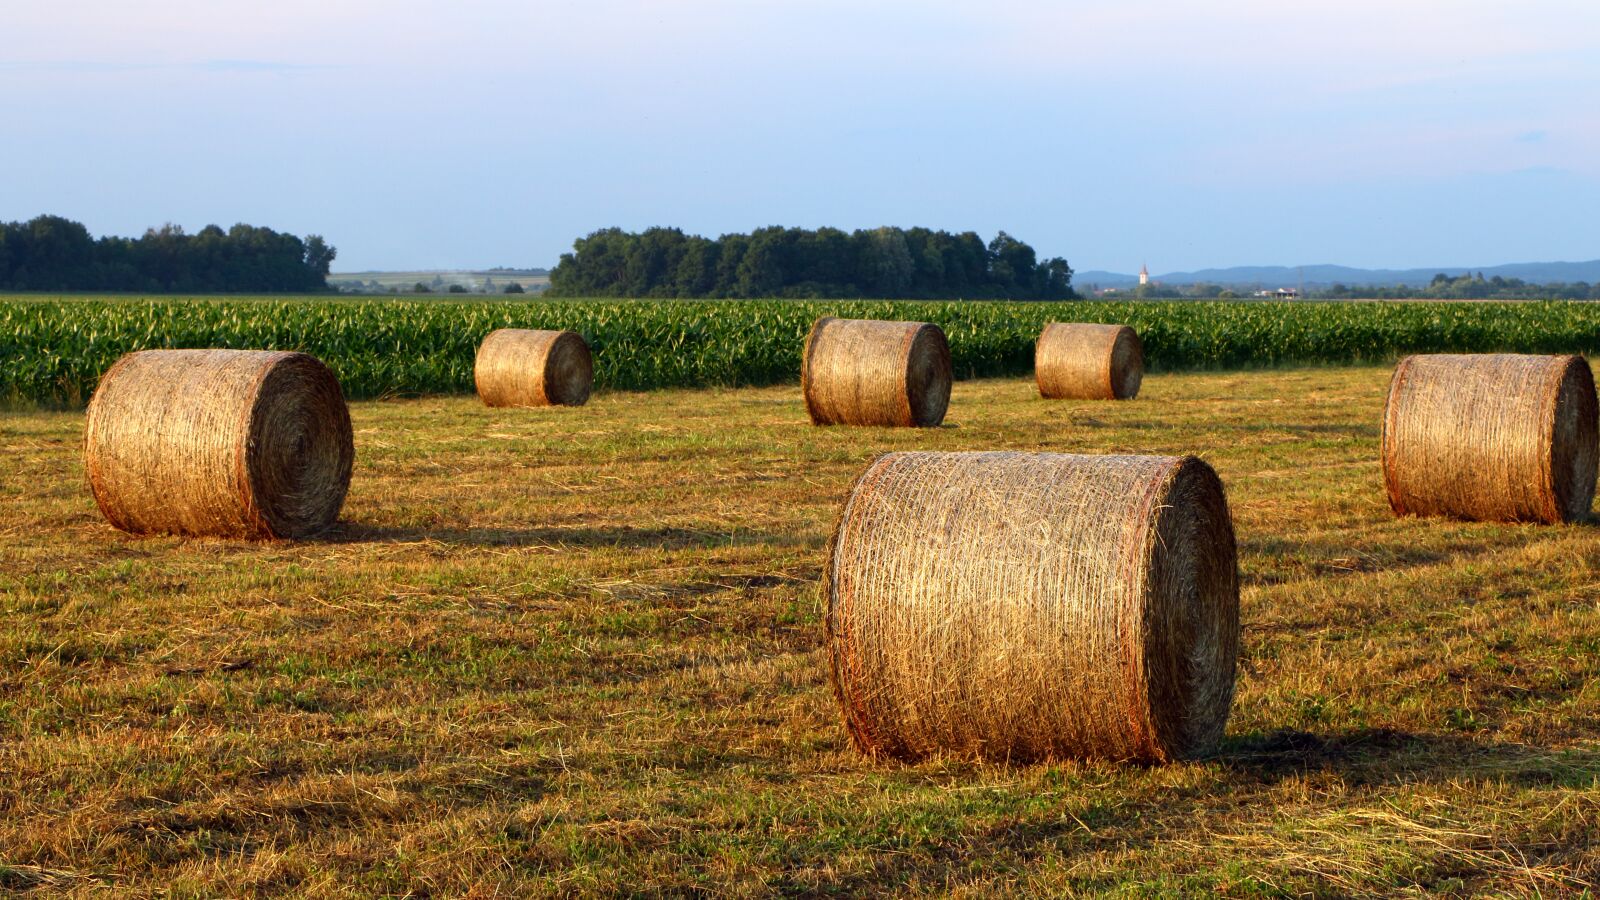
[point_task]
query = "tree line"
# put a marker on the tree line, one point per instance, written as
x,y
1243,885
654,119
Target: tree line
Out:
x,y
890,263
1443,287
1470,287
50,253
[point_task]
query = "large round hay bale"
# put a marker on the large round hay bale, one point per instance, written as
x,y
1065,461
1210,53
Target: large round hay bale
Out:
x,y
524,367
1075,361
226,443
1494,437
1027,606
868,372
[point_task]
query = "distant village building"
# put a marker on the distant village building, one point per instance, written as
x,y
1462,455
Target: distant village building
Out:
x,y
1280,293
1144,275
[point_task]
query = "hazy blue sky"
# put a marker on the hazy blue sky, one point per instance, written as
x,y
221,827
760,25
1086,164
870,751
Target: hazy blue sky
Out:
x,y
414,133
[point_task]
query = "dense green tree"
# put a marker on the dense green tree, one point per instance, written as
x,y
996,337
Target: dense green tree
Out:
x,y
649,261
729,259
53,253
798,262
319,254
696,272
761,269
822,263
885,263
1011,265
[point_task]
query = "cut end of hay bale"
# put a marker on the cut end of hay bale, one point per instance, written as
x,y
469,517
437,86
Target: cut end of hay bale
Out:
x,y
1031,606
223,443
528,367
1491,437
1077,361
1193,621
869,372
1574,440
302,448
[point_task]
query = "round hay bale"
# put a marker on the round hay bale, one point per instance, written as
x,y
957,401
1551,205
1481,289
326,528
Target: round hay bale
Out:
x,y
223,443
1073,361
867,372
524,367
1496,437
1029,606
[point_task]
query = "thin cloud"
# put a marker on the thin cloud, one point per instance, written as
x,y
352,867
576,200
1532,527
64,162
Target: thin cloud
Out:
x,y
75,65
256,65
274,67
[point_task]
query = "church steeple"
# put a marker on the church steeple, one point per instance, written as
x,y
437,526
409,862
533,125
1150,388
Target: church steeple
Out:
x,y
1144,274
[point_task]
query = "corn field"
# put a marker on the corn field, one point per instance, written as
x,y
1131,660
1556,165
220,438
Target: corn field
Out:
x,y
52,350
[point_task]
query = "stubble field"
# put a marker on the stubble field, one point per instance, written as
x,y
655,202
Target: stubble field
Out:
x,y
557,652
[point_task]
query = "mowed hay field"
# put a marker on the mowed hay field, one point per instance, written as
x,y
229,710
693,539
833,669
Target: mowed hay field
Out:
x,y
577,651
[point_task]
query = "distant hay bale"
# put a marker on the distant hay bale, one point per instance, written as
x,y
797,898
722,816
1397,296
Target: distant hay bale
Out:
x,y
524,367
1074,361
1494,437
223,443
867,372
1029,606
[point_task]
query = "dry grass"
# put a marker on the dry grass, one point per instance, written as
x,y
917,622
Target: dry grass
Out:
x,y
576,651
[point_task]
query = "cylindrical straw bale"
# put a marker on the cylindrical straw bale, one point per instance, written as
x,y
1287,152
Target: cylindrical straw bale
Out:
x,y
224,443
1496,437
868,372
1029,606
524,367
1073,361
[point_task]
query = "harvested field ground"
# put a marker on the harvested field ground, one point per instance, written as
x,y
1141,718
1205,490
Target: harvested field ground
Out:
x,y
577,651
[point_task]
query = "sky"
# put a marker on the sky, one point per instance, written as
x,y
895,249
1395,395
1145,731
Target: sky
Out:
x,y
417,134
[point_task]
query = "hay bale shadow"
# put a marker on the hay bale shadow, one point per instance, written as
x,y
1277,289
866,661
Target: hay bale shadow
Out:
x,y
591,537
1387,756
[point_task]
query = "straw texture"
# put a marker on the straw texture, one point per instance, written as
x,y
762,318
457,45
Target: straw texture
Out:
x,y
1494,437
1074,361
1029,606
226,443
867,372
523,367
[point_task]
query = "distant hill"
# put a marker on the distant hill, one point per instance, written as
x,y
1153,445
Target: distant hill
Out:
x,y
1321,276
477,281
